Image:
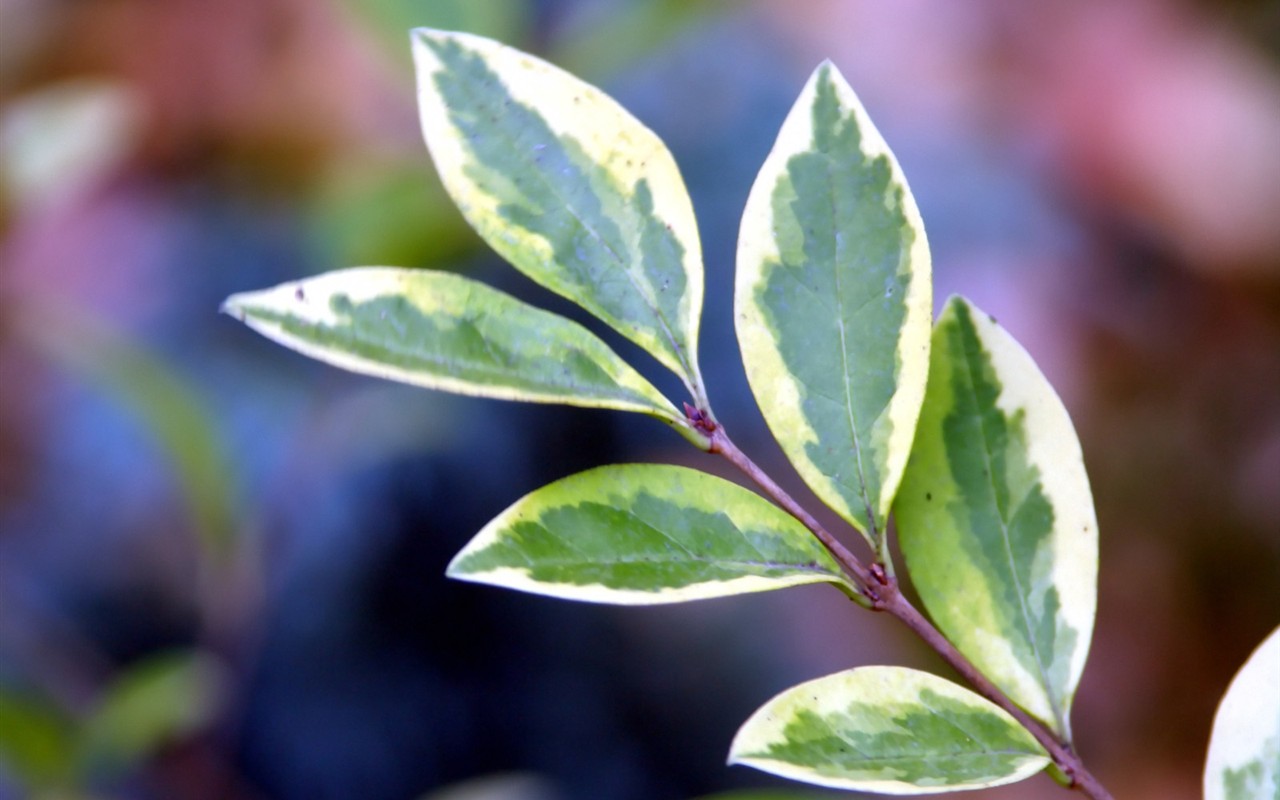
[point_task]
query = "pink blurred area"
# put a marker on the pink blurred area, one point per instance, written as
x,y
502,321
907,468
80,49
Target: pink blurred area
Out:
x,y
1103,177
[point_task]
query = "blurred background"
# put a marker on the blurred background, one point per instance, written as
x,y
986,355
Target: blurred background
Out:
x,y
221,564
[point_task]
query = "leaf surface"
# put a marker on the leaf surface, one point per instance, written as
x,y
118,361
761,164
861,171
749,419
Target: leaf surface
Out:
x,y
444,331
1244,751
643,534
996,519
887,729
833,300
567,186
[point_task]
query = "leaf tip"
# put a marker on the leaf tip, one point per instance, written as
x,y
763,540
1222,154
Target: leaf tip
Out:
x,y
455,571
233,307
423,33
959,306
827,76
827,67
424,42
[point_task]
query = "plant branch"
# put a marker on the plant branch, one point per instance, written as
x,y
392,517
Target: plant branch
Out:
x,y
722,445
880,591
897,605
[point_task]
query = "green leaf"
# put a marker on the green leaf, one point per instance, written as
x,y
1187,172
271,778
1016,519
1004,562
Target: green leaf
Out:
x,y
157,393
642,534
505,786
568,187
766,794
1244,751
35,742
887,729
834,301
996,519
152,703
444,331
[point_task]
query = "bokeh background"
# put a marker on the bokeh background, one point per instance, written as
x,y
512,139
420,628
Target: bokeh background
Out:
x,y
221,564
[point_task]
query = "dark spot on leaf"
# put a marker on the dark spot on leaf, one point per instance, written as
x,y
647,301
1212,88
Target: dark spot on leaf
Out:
x,y
928,495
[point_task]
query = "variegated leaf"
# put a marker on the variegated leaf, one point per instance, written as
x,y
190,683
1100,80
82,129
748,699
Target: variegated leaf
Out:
x,y
996,519
444,331
891,730
834,301
567,186
643,534
1244,752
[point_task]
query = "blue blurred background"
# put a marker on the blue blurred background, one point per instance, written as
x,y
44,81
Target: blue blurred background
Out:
x,y
221,565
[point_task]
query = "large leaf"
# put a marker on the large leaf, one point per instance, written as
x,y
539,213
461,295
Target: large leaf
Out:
x,y
834,301
568,187
996,519
887,729
642,534
444,331
1244,752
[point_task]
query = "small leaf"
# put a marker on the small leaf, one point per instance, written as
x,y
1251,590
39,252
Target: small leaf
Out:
x,y
568,187
834,301
887,729
766,794
157,393
643,534
444,331
996,519
504,786
155,701
1244,751
36,742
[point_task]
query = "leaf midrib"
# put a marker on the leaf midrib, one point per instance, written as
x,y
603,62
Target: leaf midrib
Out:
x,y
805,567
689,553
480,370
837,260
1054,704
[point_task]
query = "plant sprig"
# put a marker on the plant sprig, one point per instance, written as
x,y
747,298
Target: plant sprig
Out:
x,y
949,427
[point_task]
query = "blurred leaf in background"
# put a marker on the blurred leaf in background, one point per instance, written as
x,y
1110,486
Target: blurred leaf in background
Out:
x,y
152,704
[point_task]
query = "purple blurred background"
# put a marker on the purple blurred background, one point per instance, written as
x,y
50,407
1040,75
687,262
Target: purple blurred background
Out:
x,y
1102,177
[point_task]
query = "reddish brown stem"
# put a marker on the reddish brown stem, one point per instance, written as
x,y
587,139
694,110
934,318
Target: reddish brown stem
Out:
x,y
721,444
880,592
897,605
